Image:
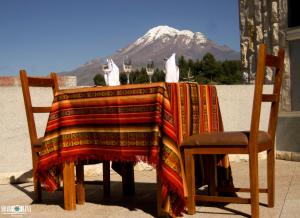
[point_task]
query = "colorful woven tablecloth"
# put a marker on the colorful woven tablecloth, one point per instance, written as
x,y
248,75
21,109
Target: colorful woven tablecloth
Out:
x,y
144,122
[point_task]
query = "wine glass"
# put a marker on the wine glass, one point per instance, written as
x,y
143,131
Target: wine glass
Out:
x,y
165,68
127,67
150,69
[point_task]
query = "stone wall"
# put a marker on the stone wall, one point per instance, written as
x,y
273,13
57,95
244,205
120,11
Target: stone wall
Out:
x,y
264,21
67,81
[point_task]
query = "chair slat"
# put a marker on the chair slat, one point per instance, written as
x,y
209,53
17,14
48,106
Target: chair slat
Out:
x,y
237,200
41,109
40,82
272,61
270,98
96,182
231,190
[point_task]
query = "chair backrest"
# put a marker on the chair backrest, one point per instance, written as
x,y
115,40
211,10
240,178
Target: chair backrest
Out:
x,y
27,82
277,63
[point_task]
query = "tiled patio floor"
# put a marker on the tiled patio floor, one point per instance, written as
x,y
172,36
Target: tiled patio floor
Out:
x,y
143,204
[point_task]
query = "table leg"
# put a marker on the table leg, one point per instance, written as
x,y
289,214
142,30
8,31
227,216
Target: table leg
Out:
x,y
106,178
158,196
80,190
128,179
69,186
210,173
212,186
159,209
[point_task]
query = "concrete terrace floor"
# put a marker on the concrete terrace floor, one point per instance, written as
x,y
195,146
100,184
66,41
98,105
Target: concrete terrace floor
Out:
x,y
143,204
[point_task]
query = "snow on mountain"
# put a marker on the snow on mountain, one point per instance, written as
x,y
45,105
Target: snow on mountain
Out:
x,y
166,32
158,43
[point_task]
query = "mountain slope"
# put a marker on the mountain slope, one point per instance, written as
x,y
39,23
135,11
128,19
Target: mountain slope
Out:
x,y
158,43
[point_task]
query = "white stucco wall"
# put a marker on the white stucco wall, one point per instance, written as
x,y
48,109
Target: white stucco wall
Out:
x,y
15,155
236,108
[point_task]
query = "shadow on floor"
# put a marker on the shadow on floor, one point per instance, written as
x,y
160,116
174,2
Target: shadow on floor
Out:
x,y
233,212
144,198
25,177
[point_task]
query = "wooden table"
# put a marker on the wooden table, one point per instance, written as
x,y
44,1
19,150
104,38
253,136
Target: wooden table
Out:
x,y
144,122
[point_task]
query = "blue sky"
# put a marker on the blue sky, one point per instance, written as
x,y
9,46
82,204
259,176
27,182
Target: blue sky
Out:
x,y
59,35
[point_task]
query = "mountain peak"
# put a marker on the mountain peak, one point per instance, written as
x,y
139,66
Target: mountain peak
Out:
x,y
167,32
161,30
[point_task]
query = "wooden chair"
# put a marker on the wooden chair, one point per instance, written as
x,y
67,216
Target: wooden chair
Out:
x,y
36,142
251,142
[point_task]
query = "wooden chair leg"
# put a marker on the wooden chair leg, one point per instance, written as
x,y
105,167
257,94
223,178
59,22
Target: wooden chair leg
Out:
x,y
36,182
254,188
37,189
189,164
271,176
106,178
69,186
80,190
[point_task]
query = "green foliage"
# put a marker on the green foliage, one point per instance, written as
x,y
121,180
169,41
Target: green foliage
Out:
x,y
230,72
209,70
210,67
184,67
99,80
139,76
158,76
123,79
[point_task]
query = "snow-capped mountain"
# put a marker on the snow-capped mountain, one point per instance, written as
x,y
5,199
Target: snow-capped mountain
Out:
x,y
158,43
166,33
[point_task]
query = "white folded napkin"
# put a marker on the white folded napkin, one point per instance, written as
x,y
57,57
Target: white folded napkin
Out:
x,y
113,78
172,70
107,71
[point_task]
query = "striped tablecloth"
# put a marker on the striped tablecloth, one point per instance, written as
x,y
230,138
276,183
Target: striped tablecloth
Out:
x,y
129,123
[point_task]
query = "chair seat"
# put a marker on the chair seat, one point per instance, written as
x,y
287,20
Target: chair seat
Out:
x,y
239,139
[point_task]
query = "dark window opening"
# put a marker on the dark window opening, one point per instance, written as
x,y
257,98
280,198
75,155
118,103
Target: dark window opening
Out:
x,y
295,74
293,13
